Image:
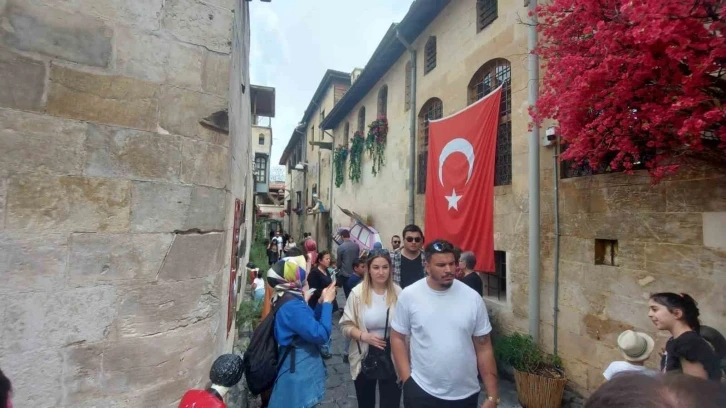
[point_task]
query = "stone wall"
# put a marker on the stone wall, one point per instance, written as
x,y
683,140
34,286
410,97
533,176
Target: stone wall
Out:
x,y
670,236
115,204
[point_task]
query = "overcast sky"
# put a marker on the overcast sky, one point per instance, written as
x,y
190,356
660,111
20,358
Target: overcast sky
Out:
x,y
293,42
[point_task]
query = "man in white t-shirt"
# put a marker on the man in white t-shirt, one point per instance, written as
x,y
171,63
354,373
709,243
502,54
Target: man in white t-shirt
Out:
x,y
449,329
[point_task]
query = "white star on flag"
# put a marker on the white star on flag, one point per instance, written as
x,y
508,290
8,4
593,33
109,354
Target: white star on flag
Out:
x,y
453,200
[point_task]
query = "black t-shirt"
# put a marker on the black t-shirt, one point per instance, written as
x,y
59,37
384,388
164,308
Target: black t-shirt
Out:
x,y
473,281
411,270
319,280
692,347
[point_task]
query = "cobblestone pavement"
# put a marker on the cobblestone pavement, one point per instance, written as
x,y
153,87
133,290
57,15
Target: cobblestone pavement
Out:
x,y
341,392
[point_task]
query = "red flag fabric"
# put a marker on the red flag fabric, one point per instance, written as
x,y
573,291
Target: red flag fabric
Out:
x,y
460,179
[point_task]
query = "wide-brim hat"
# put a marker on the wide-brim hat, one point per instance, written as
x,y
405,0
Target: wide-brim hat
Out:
x,y
635,346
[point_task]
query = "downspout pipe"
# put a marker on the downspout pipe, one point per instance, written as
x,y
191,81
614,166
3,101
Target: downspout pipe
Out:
x,y
330,194
534,193
556,310
412,132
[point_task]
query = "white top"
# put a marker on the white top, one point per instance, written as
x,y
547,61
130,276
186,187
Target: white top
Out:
x,y
623,366
441,325
259,283
374,316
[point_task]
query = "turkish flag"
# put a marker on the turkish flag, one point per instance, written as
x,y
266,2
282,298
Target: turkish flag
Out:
x,y
460,179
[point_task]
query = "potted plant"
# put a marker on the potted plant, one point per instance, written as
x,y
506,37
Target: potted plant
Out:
x,y
539,377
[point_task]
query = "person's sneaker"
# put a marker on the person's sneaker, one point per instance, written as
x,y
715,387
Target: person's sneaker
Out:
x,y
345,359
326,356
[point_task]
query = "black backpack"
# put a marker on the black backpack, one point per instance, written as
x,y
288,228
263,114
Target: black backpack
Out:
x,y
261,363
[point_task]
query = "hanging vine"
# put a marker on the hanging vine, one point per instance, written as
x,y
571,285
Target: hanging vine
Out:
x,y
339,157
376,142
356,156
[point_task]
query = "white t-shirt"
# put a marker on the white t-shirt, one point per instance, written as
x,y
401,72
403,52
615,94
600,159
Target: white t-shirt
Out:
x,y
374,316
441,325
259,284
623,366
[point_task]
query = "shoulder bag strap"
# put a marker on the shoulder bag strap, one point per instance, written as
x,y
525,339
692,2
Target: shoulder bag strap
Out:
x,y
385,331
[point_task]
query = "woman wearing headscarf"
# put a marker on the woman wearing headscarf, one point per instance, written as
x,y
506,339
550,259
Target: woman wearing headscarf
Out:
x,y
296,324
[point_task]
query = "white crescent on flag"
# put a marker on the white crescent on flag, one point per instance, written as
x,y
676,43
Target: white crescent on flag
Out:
x,y
458,145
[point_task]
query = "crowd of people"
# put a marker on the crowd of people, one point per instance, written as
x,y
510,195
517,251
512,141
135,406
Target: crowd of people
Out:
x,y
416,329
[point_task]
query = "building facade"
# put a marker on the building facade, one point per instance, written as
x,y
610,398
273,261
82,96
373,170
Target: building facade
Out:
x,y
620,237
116,203
308,158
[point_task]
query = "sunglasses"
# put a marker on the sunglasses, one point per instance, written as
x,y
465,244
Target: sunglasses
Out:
x,y
396,242
442,247
412,239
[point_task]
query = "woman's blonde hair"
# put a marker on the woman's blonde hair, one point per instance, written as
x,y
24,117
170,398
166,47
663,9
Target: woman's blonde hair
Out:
x,y
367,284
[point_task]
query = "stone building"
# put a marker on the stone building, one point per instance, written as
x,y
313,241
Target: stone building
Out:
x,y
116,204
621,238
307,157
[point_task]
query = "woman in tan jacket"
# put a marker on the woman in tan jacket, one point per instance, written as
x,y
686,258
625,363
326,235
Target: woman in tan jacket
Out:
x,y
366,321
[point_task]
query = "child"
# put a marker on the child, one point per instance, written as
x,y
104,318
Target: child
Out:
x,y
636,348
686,350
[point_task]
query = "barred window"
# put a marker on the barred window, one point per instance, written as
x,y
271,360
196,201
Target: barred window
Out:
x,y
431,110
407,104
383,101
492,74
260,169
362,120
495,282
346,135
486,13
430,55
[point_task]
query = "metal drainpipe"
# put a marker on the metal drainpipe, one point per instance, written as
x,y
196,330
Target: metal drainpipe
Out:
x,y
412,132
556,310
534,195
330,196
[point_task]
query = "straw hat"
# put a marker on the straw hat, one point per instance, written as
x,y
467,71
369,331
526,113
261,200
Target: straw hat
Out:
x,y
635,346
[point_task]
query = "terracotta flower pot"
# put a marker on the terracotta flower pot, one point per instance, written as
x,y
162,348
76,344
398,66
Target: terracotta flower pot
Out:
x,y
537,391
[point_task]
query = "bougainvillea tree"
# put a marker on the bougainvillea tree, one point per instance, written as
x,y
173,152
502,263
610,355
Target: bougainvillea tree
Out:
x,y
635,82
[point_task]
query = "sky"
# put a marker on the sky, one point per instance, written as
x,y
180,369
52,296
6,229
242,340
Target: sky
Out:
x,y
293,43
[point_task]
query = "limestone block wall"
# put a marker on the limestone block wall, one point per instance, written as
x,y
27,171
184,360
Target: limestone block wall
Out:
x,y
670,236
115,204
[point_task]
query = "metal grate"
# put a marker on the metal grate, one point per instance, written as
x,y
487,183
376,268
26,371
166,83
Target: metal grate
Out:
x,y
383,101
433,109
422,165
496,283
486,13
430,55
491,75
570,169
362,120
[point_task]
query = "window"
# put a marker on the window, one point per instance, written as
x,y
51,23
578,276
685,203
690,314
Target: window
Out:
x,y
606,252
346,135
298,201
355,231
322,116
261,139
364,234
486,13
312,133
260,169
430,55
495,284
407,104
362,120
383,101
432,109
487,78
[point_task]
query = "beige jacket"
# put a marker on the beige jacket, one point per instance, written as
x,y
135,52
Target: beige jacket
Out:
x,y
353,318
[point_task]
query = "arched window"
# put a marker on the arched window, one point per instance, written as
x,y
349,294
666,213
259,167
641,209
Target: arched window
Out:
x,y
431,110
261,139
362,120
492,74
430,55
383,101
486,13
346,135
407,104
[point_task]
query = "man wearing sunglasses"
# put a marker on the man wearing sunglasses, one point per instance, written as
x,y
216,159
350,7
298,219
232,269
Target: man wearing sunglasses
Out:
x,y
408,261
395,242
449,331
